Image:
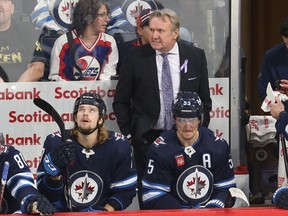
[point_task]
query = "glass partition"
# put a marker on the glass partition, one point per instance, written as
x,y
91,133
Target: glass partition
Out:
x,y
205,23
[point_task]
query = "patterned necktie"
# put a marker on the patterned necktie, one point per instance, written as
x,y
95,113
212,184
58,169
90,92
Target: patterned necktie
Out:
x,y
167,92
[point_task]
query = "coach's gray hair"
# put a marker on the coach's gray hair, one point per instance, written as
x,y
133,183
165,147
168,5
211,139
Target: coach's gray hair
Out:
x,y
170,14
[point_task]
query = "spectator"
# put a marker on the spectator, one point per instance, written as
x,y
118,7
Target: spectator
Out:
x,y
275,64
90,54
102,175
54,18
123,15
17,41
188,166
17,185
143,31
139,103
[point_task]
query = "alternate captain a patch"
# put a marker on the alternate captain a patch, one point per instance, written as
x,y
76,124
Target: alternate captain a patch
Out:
x,y
195,185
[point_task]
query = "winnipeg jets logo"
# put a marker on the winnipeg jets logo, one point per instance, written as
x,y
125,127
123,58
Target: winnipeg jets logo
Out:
x,y
90,68
132,9
62,11
159,141
65,9
119,136
195,185
86,188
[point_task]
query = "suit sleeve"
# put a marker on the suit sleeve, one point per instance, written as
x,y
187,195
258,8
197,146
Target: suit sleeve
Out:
x,y
123,95
204,91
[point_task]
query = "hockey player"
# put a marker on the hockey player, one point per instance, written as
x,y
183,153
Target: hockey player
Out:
x,y
188,166
280,196
102,175
18,189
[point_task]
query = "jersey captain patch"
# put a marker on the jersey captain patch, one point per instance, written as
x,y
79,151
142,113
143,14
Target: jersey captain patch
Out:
x,y
195,185
86,188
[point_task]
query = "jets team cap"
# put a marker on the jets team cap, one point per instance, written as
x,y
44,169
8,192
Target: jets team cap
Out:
x,y
144,17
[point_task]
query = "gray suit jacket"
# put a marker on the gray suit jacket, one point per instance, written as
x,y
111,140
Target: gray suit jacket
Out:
x,y
137,100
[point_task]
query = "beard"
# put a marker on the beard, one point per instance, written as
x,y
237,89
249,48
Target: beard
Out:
x,y
86,131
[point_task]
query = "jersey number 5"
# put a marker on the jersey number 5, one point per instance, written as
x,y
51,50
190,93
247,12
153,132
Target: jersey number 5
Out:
x,y
150,166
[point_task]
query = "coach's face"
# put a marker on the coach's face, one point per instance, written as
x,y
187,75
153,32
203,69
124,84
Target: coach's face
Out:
x,y
163,34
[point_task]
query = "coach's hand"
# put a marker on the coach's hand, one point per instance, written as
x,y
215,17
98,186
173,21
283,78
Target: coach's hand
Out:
x,y
59,158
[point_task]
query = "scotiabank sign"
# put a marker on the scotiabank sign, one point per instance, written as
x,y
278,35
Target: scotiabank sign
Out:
x,y
25,126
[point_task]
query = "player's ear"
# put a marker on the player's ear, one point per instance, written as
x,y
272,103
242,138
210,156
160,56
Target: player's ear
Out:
x,y
139,30
101,121
75,118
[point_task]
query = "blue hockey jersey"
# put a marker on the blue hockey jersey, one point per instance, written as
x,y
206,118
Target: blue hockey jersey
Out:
x,y
20,181
103,174
187,177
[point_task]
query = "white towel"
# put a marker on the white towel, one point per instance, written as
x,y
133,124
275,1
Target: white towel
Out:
x,y
261,130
